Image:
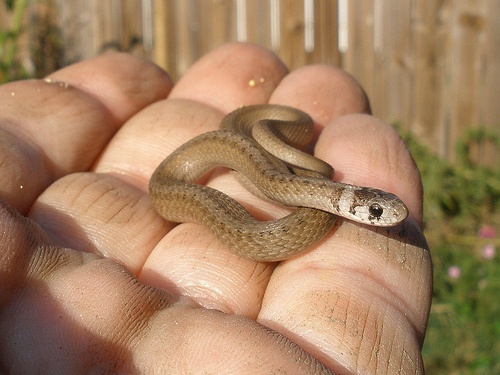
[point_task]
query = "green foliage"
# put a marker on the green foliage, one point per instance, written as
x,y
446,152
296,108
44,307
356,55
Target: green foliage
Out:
x,y
462,219
464,324
10,69
9,4
464,195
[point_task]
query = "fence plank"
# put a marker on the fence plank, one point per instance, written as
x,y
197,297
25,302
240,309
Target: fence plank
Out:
x,y
291,21
255,19
465,67
393,61
489,111
429,60
432,66
326,29
164,36
359,58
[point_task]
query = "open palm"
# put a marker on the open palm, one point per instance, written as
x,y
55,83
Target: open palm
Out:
x,y
95,281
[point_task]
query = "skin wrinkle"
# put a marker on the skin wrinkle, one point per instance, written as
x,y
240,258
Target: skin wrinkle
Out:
x,y
390,296
81,191
142,316
399,306
312,349
377,340
124,206
127,210
42,266
363,336
90,205
403,303
112,209
404,358
400,357
359,331
259,272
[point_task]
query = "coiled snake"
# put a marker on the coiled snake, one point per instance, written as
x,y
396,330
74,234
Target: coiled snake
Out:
x,y
259,142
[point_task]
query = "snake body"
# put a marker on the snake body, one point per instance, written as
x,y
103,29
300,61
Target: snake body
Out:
x,y
309,188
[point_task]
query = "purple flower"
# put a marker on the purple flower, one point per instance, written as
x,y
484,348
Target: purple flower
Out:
x,y
454,272
487,231
488,251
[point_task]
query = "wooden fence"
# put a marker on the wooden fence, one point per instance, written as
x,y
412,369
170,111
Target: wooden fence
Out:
x,y
432,66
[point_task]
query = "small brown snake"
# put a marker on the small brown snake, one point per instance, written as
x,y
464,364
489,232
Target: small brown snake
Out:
x,y
253,141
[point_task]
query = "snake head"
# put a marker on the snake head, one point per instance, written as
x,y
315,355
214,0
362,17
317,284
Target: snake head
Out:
x,y
374,207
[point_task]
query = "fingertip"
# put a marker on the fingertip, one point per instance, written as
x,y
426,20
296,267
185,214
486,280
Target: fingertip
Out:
x,y
123,82
49,130
323,91
368,152
232,75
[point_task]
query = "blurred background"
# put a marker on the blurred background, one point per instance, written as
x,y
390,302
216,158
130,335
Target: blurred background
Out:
x,y
430,68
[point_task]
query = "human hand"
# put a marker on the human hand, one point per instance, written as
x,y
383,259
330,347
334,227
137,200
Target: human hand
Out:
x,y
102,284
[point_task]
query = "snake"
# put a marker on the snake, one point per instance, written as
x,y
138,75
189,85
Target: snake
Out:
x,y
262,144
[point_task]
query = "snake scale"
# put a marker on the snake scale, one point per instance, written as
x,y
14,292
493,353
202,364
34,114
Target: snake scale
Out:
x,y
260,142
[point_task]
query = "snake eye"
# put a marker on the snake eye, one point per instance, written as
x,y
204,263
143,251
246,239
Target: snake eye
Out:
x,y
376,210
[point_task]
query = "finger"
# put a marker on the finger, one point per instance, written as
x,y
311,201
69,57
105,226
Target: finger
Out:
x,y
123,83
240,74
365,151
90,315
112,216
59,209
307,88
374,286
100,214
362,290
324,92
55,127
